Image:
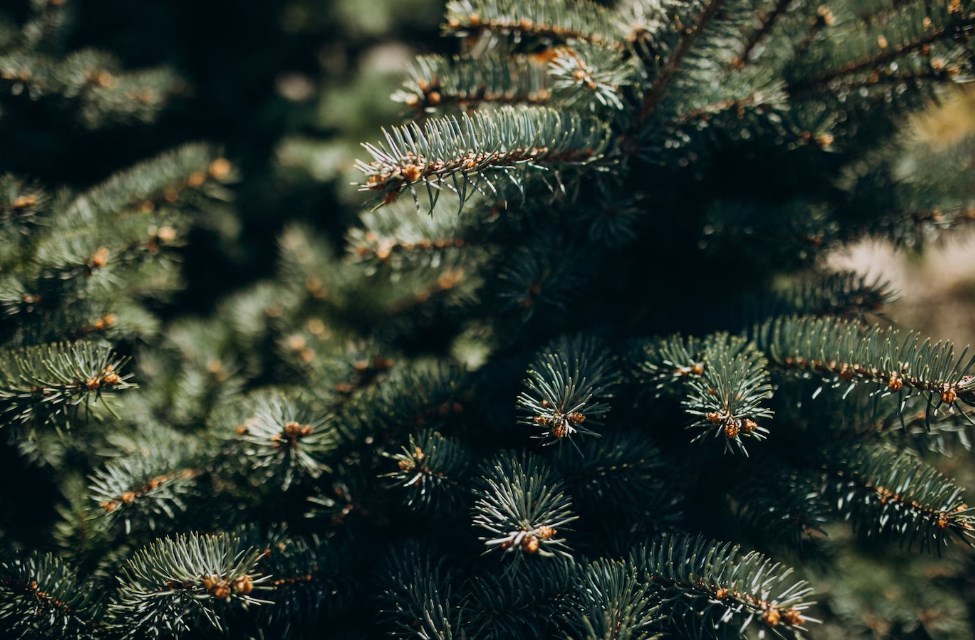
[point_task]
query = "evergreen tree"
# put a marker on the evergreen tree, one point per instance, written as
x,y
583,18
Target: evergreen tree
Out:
x,y
578,371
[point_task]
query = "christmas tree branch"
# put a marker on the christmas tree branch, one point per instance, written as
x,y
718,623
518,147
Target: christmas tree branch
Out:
x,y
472,152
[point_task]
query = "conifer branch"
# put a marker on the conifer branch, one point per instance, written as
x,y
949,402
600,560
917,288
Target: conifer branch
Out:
x,y
664,75
412,398
767,19
45,26
92,82
47,382
392,236
183,583
418,600
530,600
729,397
615,473
616,604
430,468
151,184
843,293
144,489
925,190
20,203
471,153
545,19
523,508
564,389
882,14
309,578
285,439
954,28
789,235
437,82
885,491
723,380
537,276
698,577
758,101
589,74
843,352
42,597
783,503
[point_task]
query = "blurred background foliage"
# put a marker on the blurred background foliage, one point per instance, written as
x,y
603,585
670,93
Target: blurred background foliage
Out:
x,y
289,89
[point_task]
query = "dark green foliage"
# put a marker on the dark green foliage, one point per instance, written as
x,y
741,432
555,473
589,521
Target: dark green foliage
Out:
x,y
617,603
531,599
522,507
418,605
844,354
725,586
445,153
489,409
309,580
619,473
42,597
145,491
431,469
844,293
186,582
53,384
889,492
585,20
725,383
92,85
565,387
283,439
438,82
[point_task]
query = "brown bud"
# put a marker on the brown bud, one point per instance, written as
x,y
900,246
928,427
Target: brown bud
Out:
x,y
530,544
220,168
100,258
21,202
412,172
772,617
732,429
825,16
196,179
793,617
895,383
166,234
243,585
948,394
560,429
